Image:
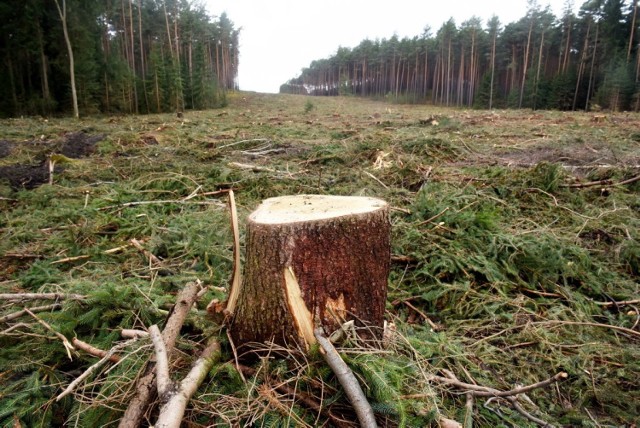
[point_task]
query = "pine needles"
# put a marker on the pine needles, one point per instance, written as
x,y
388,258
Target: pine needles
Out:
x,y
510,277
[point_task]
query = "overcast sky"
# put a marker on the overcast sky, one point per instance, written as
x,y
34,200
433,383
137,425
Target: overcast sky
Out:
x,y
280,37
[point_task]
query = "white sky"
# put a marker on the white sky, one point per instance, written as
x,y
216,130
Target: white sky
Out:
x,y
280,37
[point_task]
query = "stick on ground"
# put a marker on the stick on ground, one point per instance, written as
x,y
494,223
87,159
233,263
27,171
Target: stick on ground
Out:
x,y
348,381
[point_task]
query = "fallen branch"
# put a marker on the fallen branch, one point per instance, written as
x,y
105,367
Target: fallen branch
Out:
x,y
65,342
376,179
607,183
170,201
485,391
348,381
36,309
618,303
148,254
92,350
146,383
472,390
71,259
258,168
40,296
108,356
128,333
177,395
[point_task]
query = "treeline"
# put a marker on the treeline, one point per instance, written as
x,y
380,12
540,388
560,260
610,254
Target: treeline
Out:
x,y
585,61
127,56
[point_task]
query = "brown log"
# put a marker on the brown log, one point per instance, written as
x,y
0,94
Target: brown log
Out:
x,y
312,260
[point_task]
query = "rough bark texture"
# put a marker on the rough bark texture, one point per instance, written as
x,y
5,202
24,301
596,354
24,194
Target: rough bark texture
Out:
x,y
341,264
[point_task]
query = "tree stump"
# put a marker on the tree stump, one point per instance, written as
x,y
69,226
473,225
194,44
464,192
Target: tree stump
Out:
x,y
312,261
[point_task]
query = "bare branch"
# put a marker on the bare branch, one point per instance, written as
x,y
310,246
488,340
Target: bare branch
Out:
x,y
348,381
35,309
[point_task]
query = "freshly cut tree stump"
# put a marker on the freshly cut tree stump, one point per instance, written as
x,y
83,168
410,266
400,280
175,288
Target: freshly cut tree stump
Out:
x,y
312,261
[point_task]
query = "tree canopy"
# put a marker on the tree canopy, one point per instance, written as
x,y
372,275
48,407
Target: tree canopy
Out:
x,y
582,61
131,56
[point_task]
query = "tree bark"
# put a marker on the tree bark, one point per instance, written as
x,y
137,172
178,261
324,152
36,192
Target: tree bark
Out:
x,y
313,261
62,11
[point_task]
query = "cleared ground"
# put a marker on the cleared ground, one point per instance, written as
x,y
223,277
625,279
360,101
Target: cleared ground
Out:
x,y
515,255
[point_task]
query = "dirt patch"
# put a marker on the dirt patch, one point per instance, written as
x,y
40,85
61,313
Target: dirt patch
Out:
x,y
25,176
576,155
579,158
5,148
28,176
79,144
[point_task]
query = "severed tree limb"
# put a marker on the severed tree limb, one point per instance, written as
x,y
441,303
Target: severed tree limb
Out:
x,y
92,350
485,391
67,346
108,356
348,381
40,296
35,309
511,395
176,395
148,254
129,333
607,183
147,382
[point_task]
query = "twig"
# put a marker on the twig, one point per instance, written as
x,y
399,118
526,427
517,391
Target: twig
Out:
x,y
485,391
254,140
35,309
67,346
433,325
108,356
71,259
620,303
430,219
40,296
376,179
558,322
170,201
348,381
152,258
92,350
607,183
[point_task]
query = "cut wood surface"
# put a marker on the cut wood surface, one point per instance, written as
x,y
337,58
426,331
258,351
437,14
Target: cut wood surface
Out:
x,y
335,247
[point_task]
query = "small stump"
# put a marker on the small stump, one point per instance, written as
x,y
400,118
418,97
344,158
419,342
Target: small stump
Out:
x,y
313,260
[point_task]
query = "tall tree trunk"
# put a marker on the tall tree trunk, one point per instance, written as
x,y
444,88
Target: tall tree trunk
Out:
x,y
526,64
74,95
133,58
633,28
537,82
583,59
46,94
143,71
493,68
593,62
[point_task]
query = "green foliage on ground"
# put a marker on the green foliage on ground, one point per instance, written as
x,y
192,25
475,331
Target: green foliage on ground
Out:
x,y
517,271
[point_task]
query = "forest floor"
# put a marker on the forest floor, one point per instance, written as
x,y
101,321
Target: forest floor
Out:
x,y
515,258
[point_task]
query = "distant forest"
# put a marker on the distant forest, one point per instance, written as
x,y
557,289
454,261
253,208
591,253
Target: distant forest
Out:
x,y
576,62
113,56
